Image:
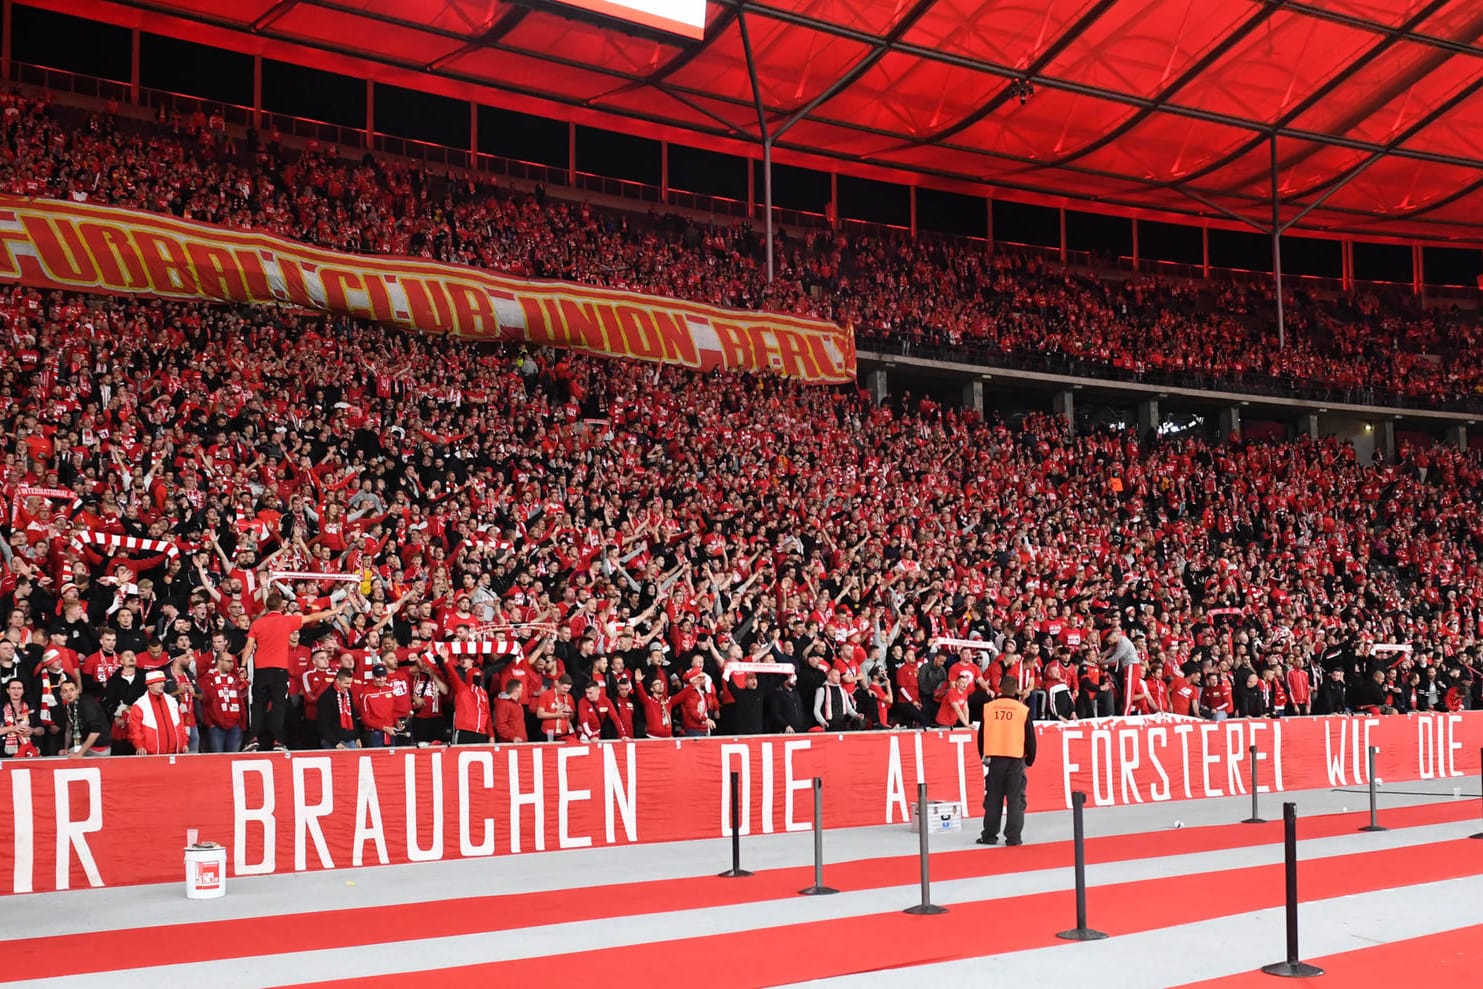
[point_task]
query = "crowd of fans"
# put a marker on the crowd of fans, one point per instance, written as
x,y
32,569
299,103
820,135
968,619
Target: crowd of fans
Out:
x,y
537,544
897,292
437,541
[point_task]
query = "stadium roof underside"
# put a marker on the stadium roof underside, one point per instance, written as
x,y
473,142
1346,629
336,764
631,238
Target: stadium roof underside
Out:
x,y
1151,107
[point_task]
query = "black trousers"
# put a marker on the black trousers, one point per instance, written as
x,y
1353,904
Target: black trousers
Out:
x,y
1004,787
269,706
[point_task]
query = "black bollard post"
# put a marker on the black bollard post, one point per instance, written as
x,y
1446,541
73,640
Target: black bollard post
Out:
x,y
1373,825
1256,816
736,871
818,888
1292,968
1480,781
1081,932
926,906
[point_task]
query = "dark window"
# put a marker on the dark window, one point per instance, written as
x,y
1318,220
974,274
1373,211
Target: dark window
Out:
x,y
1021,223
422,116
619,156
520,136
304,92
61,41
197,70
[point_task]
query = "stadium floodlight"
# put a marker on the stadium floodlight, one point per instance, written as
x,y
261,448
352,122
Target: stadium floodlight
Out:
x,y
682,17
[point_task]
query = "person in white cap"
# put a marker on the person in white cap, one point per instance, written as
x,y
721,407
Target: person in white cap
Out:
x,y
155,725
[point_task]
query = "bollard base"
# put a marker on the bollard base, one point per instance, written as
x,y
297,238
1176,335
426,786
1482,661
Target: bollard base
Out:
x,y
1293,970
817,891
925,909
1255,820
1478,835
1374,827
733,874
1081,934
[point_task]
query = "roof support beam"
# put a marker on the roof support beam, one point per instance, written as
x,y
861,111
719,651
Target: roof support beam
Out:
x,y
746,36
273,14
1101,92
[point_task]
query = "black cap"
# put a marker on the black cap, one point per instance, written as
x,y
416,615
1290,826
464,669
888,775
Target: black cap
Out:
x,y
378,670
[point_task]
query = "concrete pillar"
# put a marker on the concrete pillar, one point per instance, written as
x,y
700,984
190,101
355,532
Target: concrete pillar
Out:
x,y
1385,440
1458,437
751,188
257,92
134,66
988,205
1308,425
875,384
473,134
1063,235
912,204
664,171
1230,422
1064,404
1148,416
5,7
571,153
370,115
973,396
1204,252
1135,244
834,199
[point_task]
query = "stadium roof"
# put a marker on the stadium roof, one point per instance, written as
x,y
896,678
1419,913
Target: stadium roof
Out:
x,y
1151,107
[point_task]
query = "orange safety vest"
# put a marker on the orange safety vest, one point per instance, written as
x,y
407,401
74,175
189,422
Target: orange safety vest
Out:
x,y
1004,728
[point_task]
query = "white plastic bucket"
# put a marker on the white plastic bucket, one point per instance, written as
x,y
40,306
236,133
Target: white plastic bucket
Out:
x,y
205,872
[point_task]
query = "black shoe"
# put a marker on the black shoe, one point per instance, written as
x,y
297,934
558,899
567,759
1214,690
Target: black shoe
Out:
x,y
1013,841
250,746
984,839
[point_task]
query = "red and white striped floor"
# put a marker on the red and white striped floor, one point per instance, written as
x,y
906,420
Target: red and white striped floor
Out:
x,y
1196,905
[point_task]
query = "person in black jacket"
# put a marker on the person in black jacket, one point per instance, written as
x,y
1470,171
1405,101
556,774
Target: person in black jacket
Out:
x,y
339,721
1329,698
1250,702
783,709
124,687
747,703
86,729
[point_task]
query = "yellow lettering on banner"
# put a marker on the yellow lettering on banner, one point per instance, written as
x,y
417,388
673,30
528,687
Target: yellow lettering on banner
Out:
x,y
60,245
337,284
165,262
217,272
473,310
639,332
60,250
794,353
735,352
582,327
431,312
119,265
675,339
764,348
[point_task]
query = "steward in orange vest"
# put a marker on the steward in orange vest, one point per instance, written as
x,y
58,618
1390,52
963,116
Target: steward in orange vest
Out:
x,y
1006,739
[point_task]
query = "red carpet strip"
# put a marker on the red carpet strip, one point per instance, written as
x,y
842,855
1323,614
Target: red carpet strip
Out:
x,y
800,952
1448,960
99,951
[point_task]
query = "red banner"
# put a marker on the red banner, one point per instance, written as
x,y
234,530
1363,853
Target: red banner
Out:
x,y
71,824
79,247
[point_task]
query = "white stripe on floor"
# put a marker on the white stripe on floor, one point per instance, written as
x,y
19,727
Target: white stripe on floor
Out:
x,y
534,942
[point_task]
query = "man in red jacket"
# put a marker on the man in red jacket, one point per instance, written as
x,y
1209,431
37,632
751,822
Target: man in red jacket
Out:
x,y
378,704
623,708
592,711
473,717
509,713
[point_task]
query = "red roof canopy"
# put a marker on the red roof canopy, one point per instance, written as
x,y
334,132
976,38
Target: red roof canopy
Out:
x,y
1153,107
